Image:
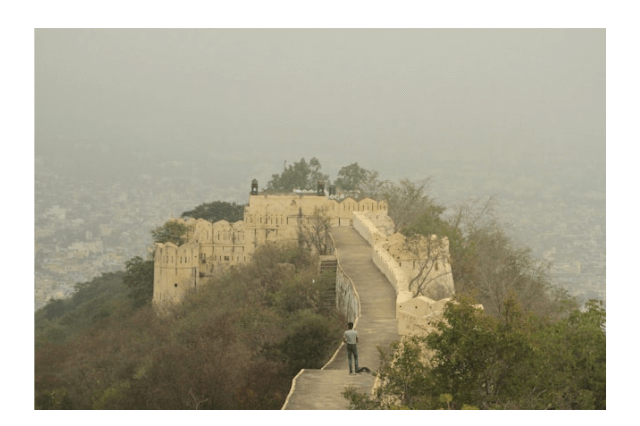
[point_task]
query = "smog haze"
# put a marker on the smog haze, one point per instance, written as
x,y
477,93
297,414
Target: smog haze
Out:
x,y
237,103
153,122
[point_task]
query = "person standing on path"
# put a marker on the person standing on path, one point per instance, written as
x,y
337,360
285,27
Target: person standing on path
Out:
x,y
351,339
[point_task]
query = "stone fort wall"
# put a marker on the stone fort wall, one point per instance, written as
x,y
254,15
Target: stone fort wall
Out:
x,y
213,247
416,313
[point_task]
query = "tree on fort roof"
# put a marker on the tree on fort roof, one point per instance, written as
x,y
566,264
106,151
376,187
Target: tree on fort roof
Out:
x,y
351,177
171,232
372,186
215,211
315,175
358,182
299,175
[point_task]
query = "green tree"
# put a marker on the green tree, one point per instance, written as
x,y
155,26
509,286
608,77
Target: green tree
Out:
x,y
574,349
488,263
299,175
406,200
138,278
520,361
171,231
92,301
372,186
358,182
315,175
351,177
217,210
309,342
480,360
54,308
431,222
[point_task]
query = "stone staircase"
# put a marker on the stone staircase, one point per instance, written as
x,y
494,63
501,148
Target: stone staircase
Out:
x,y
327,299
328,264
377,327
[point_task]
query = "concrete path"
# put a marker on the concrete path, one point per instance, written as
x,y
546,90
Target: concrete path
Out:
x,y
377,326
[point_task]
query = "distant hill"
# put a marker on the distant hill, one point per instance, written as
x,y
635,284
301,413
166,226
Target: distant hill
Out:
x,y
100,298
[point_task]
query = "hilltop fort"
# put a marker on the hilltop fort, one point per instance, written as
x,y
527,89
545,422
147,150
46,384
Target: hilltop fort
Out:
x,y
212,247
419,270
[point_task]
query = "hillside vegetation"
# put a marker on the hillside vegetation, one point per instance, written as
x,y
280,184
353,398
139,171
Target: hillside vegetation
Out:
x,y
234,345
237,343
477,361
92,302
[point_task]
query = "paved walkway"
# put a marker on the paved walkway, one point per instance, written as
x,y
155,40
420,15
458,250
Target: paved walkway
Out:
x,y
377,326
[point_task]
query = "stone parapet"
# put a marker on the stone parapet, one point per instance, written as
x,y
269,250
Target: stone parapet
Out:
x,y
420,315
364,227
390,268
347,298
415,315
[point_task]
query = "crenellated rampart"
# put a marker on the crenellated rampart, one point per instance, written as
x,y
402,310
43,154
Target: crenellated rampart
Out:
x,y
415,312
213,247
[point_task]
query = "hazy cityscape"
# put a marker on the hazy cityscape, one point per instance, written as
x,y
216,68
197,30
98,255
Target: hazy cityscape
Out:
x,y
133,127
85,227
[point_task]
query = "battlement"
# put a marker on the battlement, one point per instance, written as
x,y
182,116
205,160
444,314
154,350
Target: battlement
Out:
x,y
279,209
419,271
213,247
418,268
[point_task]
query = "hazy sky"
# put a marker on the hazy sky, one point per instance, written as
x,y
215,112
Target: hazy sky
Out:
x,y
393,100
